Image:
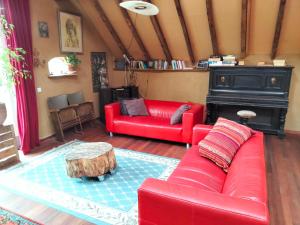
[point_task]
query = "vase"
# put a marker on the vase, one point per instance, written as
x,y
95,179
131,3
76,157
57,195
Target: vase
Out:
x,y
3,113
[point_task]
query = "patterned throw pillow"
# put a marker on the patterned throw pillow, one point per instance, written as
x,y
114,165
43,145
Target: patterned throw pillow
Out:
x,y
177,115
222,142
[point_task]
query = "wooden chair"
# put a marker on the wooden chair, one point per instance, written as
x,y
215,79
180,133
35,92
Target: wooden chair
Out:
x,y
85,109
63,115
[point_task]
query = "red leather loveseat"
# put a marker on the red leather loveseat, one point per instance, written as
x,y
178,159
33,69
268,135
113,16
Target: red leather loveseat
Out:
x,y
198,192
157,124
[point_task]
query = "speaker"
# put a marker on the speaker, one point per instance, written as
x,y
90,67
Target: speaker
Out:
x,y
104,98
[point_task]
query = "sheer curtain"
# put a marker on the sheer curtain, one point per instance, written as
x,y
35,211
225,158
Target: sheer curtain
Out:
x,y
8,96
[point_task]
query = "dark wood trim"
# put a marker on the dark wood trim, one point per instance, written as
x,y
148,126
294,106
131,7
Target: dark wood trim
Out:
x,y
185,31
244,28
160,35
134,32
212,29
110,27
278,28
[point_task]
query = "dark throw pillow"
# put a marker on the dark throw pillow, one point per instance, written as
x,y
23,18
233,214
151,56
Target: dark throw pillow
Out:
x,y
136,107
123,109
177,115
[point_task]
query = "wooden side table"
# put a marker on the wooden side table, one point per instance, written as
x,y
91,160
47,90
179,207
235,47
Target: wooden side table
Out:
x,y
94,159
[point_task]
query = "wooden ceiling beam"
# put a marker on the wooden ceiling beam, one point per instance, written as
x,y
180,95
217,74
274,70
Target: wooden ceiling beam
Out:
x,y
185,31
278,28
134,32
160,36
212,29
110,27
244,28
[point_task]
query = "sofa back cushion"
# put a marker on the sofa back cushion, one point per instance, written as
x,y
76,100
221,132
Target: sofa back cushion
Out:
x,y
246,177
162,109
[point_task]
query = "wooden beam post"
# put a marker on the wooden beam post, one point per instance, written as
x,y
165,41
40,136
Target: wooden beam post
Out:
x,y
244,28
185,31
278,28
134,32
212,29
110,27
160,36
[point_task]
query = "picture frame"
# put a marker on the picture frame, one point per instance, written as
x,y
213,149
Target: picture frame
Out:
x,y
70,32
43,29
99,71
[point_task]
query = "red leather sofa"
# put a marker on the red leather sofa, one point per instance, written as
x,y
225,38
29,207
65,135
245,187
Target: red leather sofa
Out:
x,y
199,193
157,124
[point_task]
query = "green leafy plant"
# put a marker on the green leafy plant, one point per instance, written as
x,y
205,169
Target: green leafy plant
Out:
x,y
11,58
72,60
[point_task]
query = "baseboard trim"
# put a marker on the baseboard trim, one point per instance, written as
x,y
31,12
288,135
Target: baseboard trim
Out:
x,y
292,132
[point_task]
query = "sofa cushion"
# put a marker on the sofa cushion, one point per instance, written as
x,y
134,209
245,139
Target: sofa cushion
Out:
x,y
246,177
136,107
177,115
198,172
222,142
148,126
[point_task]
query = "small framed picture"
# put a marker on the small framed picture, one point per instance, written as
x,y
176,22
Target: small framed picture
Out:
x,y
43,29
70,32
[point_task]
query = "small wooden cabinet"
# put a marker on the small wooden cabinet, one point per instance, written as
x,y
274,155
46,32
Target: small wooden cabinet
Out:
x,y
264,90
8,149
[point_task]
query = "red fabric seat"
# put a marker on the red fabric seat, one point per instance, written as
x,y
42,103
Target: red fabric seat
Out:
x,y
157,124
200,192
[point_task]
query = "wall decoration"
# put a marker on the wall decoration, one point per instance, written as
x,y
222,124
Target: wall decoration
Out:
x,y
43,29
70,32
99,70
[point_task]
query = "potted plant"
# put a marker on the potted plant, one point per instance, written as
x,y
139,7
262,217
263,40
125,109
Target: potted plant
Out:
x,y
72,61
11,60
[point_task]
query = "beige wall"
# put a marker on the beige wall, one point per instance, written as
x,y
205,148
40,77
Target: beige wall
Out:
x,y
193,86
46,10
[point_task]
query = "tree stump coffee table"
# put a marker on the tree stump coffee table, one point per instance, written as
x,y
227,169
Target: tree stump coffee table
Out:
x,y
93,159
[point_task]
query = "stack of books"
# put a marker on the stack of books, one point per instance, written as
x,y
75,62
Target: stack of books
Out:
x,y
138,64
215,61
279,62
178,65
229,60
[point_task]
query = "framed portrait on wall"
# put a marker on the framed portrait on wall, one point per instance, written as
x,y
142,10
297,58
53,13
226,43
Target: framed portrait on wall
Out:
x,y
70,32
99,71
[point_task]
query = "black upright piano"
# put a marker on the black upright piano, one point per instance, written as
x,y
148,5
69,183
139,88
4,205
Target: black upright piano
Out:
x,y
262,89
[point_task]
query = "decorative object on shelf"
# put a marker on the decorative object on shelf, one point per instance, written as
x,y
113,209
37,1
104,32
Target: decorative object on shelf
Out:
x,y
9,73
99,71
3,113
202,64
279,62
70,32
43,29
37,62
245,115
140,7
72,61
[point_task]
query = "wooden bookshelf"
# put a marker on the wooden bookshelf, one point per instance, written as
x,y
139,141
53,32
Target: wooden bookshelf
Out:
x,y
164,71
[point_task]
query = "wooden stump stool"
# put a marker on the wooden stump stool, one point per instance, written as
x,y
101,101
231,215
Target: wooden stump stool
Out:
x,y
93,159
245,115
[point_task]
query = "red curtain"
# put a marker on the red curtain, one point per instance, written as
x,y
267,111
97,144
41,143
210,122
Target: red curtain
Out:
x,y
17,12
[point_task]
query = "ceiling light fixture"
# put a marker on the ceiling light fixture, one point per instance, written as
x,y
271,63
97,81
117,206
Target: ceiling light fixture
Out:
x,y
140,7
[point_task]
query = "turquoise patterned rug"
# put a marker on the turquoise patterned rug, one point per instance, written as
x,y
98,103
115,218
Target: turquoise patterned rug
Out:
x,y
9,218
112,201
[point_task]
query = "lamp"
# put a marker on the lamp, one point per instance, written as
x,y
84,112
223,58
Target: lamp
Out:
x,y
140,7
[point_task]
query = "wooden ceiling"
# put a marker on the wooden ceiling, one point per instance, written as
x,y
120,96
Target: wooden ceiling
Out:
x,y
195,29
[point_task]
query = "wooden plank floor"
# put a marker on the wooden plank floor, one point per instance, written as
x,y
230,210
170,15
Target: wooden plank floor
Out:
x,y
283,171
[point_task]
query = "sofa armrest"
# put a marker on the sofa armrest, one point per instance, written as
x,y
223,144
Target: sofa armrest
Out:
x,y
191,117
164,203
112,110
199,132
